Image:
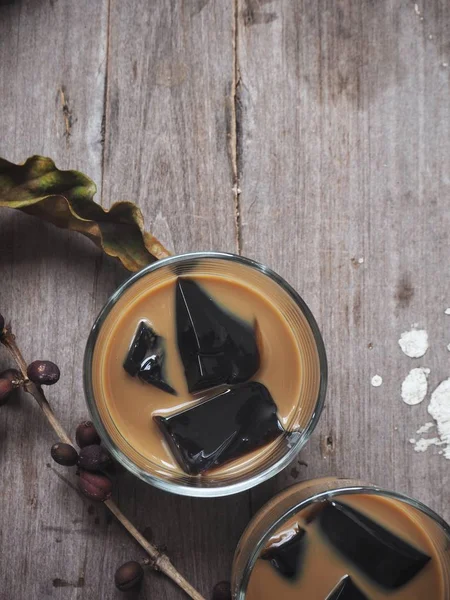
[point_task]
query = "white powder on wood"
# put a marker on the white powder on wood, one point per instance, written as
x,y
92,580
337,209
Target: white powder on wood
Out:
x,y
414,387
422,445
439,409
376,381
414,343
425,428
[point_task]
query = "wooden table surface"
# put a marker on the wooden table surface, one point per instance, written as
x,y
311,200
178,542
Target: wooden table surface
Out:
x,y
307,135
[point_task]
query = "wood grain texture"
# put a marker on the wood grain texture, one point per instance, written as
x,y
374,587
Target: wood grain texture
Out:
x,y
169,82
137,96
52,80
168,116
345,154
331,122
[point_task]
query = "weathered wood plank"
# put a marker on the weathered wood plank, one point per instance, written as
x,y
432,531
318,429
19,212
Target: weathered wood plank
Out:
x,y
167,119
169,76
164,73
345,154
52,80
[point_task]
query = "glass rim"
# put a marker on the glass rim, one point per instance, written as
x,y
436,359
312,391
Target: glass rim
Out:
x,y
352,488
174,486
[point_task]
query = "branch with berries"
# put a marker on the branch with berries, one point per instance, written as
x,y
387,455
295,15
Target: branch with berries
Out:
x,y
91,461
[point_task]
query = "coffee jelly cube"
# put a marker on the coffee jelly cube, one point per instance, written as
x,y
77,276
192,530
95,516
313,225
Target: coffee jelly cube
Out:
x,y
381,555
216,347
222,428
346,590
286,556
146,358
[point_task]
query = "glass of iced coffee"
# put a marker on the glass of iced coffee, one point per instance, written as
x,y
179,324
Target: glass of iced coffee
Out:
x,y
336,539
205,374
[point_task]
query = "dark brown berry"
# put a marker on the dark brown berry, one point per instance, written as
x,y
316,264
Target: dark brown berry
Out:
x,y
13,376
222,591
94,458
2,324
6,387
64,454
43,372
129,576
95,486
86,434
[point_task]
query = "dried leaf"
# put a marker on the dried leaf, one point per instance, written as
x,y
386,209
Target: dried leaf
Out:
x,y
65,198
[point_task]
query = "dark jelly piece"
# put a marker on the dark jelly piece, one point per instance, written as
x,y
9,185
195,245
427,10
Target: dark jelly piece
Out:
x,y
145,358
222,428
384,557
346,590
215,346
286,556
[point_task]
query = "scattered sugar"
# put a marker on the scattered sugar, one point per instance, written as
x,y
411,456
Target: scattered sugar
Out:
x,y
376,381
439,409
414,343
414,387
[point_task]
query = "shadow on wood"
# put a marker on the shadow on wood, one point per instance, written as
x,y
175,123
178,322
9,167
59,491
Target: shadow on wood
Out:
x,y
26,239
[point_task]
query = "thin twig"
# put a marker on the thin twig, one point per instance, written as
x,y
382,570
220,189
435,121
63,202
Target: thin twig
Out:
x,y
159,561
9,341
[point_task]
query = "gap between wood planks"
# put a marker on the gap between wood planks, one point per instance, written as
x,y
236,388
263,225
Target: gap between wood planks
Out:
x,y
235,128
67,114
105,98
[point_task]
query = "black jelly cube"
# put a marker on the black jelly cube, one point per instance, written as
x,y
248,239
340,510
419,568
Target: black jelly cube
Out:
x,y
384,557
286,556
346,590
228,425
215,346
146,356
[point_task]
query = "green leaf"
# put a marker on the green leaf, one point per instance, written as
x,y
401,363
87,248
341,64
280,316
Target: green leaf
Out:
x,y
65,198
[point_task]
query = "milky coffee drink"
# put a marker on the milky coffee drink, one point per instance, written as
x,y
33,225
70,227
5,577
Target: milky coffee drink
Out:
x,y
201,375
354,547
